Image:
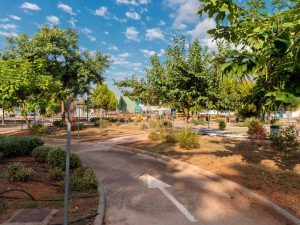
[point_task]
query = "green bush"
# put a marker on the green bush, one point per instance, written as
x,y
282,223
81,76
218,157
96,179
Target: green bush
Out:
x,y
41,153
57,159
170,137
39,129
188,139
153,135
17,172
167,123
84,178
286,142
153,123
56,174
199,122
256,128
222,124
19,146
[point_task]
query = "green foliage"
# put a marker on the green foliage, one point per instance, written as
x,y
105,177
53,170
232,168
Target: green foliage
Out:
x,y
170,136
18,172
41,153
247,111
39,129
268,47
19,146
222,124
104,98
154,135
167,124
84,178
56,174
199,122
256,128
57,159
153,123
286,142
188,139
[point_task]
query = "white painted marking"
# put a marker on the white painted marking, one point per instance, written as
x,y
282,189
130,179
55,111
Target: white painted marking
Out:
x,y
155,183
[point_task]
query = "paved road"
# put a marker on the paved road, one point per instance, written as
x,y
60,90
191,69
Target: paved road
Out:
x,y
179,196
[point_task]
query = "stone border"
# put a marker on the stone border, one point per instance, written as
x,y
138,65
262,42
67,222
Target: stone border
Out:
x,y
101,206
283,214
44,222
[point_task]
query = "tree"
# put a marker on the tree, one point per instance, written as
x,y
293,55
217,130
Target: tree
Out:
x,y
181,82
267,47
103,98
59,52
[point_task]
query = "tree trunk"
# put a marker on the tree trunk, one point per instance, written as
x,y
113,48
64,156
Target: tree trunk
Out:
x,y
188,116
63,116
2,115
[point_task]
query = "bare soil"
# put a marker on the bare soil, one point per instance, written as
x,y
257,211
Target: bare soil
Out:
x,y
47,194
252,164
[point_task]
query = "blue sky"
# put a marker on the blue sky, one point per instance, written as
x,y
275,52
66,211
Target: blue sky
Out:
x,y
128,30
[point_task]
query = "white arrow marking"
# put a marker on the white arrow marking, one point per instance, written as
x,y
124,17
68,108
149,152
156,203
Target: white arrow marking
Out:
x,y
155,183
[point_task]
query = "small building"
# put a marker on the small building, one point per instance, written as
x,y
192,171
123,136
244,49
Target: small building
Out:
x,y
126,105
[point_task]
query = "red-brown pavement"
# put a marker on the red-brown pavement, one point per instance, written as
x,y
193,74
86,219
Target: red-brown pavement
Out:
x,y
143,190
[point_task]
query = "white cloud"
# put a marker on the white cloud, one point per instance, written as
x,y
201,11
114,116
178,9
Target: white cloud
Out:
x,y
106,32
148,53
4,20
154,33
52,19
66,8
86,31
133,2
8,34
124,55
200,33
8,26
14,17
30,6
91,37
132,34
73,22
102,11
103,42
185,12
114,48
162,23
133,15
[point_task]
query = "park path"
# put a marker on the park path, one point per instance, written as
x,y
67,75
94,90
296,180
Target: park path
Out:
x,y
143,190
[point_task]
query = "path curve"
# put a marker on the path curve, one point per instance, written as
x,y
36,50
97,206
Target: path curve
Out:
x,y
129,201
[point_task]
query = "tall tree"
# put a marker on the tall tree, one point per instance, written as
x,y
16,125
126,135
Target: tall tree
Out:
x,y
59,51
182,81
103,98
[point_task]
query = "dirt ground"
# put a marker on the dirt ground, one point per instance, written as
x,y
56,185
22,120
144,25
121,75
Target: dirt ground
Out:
x,y
252,164
85,134
46,195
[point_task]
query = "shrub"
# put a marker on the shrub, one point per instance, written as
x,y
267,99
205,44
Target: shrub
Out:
x,y
170,137
41,153
199,122
39,129
144,126
138,118
84,178
222,124
56,174
286,142
58,123
154,136
19,146
17,172
256,128
167,123
153,123
118,123
188,139
57,159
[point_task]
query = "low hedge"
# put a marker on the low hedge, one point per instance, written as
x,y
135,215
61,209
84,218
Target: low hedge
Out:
x,y
41,153
84,178
18,172
57,159
19,146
